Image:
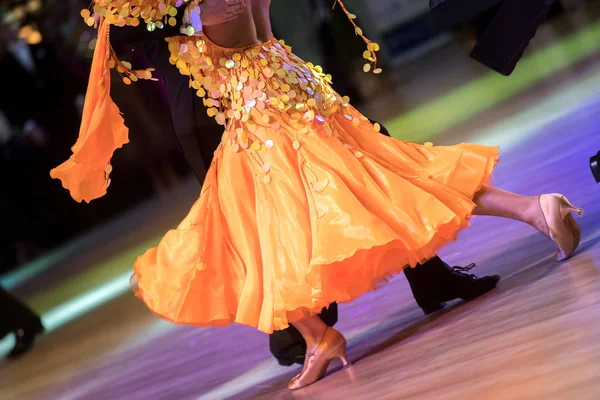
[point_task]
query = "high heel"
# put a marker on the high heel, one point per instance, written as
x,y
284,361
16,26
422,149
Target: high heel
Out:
x,y
561,226
332,346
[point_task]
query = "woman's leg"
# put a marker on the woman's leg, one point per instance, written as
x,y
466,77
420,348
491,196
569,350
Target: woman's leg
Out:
x,y
550,214
312,330
496,202
323,344
288,345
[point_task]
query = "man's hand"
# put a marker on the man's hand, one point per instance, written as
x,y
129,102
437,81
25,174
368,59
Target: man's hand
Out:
x,y
218,11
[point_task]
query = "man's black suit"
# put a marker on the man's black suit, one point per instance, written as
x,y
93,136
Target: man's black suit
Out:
x,y
507,28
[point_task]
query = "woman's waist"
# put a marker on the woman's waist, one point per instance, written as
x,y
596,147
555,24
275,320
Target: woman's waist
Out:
x,y
271,121
213,49
234,38
265,78
262,107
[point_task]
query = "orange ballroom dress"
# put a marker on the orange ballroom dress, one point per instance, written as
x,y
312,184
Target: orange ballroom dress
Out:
x,y
305,204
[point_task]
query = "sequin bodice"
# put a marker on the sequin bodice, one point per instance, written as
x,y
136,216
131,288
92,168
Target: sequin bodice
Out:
x,y
265,96
255,86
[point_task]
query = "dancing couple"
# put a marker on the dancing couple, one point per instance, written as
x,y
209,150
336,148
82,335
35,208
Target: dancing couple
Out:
x,y
304,204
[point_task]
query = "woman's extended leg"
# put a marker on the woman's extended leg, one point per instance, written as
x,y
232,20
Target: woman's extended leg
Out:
x,y
548,213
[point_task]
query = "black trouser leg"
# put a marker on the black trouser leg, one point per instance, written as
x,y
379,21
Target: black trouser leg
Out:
x,y
427,283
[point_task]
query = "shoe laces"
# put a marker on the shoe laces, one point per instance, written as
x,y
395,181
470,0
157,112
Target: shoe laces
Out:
x,y
464,271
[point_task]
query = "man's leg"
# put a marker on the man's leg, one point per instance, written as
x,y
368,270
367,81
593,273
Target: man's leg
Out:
x,y
433,283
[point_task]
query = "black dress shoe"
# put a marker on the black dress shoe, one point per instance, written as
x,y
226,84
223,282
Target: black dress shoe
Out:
x,y
25,339
433,287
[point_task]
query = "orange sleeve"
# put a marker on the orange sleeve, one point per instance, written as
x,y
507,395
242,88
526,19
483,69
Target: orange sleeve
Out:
x,y
86,173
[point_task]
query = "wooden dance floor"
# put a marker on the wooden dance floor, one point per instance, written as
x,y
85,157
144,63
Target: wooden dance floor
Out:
x,y
537,336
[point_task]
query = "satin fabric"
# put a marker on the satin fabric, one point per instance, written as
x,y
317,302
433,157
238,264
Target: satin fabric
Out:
x,y
340,210
275,253
86,173
304,204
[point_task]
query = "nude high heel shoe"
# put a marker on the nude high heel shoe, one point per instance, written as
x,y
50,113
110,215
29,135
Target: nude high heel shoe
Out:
x,y
563,230
333,345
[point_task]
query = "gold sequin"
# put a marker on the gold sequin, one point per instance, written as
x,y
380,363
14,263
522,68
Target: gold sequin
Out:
x,y
255,146
249,90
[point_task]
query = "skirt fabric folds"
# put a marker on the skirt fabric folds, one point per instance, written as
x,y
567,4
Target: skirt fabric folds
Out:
x,y
335,217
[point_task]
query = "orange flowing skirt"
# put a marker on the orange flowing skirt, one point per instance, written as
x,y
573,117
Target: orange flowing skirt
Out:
x,y
338,216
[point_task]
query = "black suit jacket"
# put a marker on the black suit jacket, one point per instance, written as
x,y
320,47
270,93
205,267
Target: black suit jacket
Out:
x,y
507,32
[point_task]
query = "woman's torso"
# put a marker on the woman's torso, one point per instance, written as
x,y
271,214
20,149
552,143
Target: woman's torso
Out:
x,y
251,27
253,84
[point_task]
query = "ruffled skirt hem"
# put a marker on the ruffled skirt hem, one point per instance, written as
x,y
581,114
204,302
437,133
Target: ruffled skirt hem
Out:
x,y
335,277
